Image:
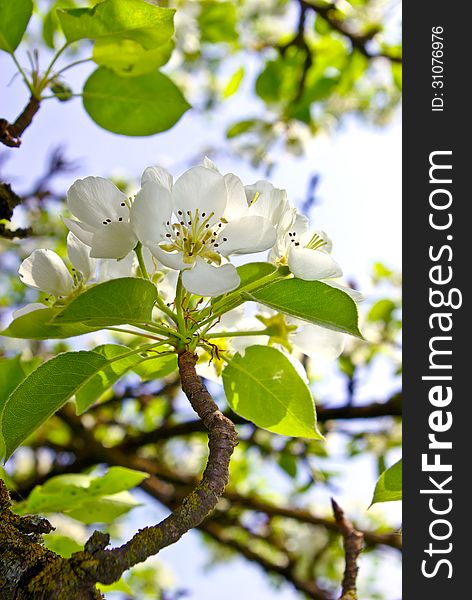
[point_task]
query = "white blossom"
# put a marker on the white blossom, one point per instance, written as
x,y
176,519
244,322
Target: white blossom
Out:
x,y
196,223
45,270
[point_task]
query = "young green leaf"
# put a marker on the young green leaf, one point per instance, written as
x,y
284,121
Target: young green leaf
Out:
x,y
48,388
137,20
389,485
126,300
312,301
95,387
43,392
135,106
128,58
264,387
37,325
87,498
156,368
11,374
233,84
14,19
61,544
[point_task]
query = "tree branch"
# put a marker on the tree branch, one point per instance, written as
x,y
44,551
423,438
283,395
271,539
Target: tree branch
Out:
x,y
353,544
391,408
10,133
358,40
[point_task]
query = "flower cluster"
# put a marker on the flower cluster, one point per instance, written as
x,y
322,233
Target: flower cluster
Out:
x,y
192,225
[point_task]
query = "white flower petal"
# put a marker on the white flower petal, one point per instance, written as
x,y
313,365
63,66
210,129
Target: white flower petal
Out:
x,y
28,308
114,240
94,199
158,175
209,164
236,205
313,341
114,269
44,270
246,235
172,260
79,255
207,280
200,188
80,230
312,265
266,201
150,212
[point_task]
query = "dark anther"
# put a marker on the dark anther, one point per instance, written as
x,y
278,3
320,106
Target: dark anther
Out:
x,y
168,235
179,212
225,239
123,204
120,218
203,214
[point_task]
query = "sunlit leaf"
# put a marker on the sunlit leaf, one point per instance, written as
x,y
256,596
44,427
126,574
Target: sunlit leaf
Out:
x,y
135,106
264,387
389,485
14,19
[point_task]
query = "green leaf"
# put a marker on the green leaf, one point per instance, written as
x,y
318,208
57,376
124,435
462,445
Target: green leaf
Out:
x,y
389,485
264,387
128,58
135,106
156,368
11,374
47,389
37,325
382,310
117,479
142,22
102,381
233,84
312,301
115,302
241,127
106,510
87,498
252,276
217,21
14,19
61,544
43,392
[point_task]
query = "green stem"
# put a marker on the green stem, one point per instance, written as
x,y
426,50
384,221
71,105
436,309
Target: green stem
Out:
x,y
53,61
73,64
139,253
233,300
178,306
52,96
137,333
24,76
226,334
